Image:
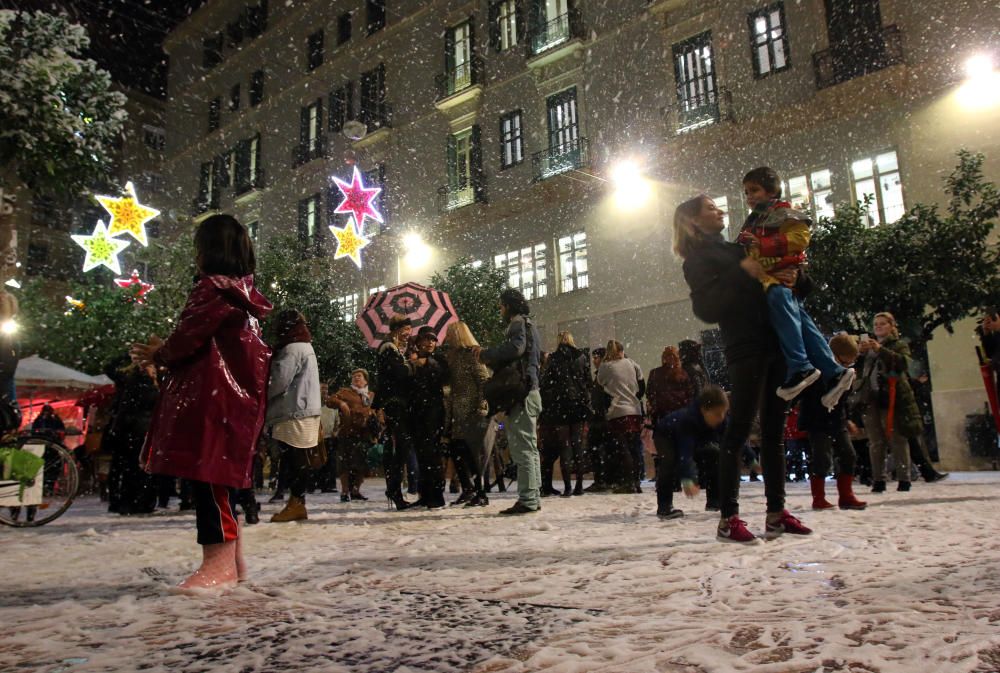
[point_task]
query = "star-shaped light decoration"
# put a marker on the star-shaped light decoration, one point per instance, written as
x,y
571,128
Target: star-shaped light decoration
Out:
x,y
102,250
350,242
358,200
128,216
136,285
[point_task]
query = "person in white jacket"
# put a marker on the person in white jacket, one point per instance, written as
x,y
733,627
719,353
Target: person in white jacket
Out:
x,y
621,378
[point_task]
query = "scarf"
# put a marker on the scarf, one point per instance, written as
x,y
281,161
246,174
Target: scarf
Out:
x,y
365,395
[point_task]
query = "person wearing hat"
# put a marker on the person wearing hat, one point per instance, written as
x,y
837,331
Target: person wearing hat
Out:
x,y
356,413
427,416
392,398
294,407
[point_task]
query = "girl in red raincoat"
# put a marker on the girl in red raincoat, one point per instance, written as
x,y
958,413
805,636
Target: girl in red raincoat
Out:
x,y
212,402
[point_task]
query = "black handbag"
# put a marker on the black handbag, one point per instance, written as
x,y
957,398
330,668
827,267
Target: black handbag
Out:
x,y
509,385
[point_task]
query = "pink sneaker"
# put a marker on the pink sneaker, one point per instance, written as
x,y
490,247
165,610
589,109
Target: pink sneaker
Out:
x,y
776,526
734,529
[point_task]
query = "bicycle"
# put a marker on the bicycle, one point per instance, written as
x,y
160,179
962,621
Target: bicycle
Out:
x,y
39,480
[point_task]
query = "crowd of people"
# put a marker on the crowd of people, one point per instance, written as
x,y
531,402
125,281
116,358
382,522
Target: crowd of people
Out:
x,y
208,391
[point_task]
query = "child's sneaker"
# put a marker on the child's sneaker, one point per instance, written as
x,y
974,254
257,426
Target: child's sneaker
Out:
x,y
778,524
842,385
796,383
734,529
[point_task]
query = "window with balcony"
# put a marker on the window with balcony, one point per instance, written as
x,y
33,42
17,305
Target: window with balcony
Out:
x,y
343,28
309,222
552,23
214,114
248,171
209,188
567,149
506,24
694,75
769,40
859,43
212,50
878,178
314,55
812,192
374,112
341,106
348,306
256,88
234,98
256,19
310,132
465,173
526,270
375,13
573,270
459,74
511,139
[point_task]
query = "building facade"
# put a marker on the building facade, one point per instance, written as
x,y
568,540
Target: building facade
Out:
x,y
495,127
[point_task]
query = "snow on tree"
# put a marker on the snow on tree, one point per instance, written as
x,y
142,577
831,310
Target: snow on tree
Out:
x,y
59,117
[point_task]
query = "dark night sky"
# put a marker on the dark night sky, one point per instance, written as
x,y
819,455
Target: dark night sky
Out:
x,y
120,32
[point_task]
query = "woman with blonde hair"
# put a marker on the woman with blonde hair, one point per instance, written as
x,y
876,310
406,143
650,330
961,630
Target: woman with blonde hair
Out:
x,y
465,413
885,385
565,388
725,290
622,380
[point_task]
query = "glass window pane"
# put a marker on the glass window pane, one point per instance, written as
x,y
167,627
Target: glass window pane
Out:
x,y
892,197
760,27
820,180
779,54
861,168
886,162
798,192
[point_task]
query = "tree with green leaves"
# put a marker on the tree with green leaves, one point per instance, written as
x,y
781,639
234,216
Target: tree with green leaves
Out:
x,y
59,117
475,293
929,268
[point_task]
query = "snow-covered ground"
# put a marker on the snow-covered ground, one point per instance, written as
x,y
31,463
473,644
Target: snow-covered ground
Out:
x,y
593,583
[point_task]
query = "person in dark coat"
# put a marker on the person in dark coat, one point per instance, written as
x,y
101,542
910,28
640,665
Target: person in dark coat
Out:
x,y
597,428
565,389
49,424
685,439
668,387
725,290
212,402
427,416
130,489
829,436
693,364
392,398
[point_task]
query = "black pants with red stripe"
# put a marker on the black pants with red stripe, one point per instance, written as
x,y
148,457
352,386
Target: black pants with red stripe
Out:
x,y
215,511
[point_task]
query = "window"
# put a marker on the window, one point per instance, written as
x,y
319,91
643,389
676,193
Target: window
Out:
x,y
341,106
37,260
343,28
374,112
376,178
208,186
511,139
505,24
310,132
566,147
309,225
212,51
234,33
214,114
768,40
878,177
722,203
573,274
248,172
811,192
376,290
375,11
526,270
458,57
253,230
694,72
314,57
224,164
348,306
551,24
257,88
234,98
155,138
152,182
465,174
256,19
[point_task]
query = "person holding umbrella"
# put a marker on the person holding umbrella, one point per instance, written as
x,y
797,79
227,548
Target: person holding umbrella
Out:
x,y
890,410
392,398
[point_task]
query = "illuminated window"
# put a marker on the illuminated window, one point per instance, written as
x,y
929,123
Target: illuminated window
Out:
x,y
811,192
768,40
878,177
348,306
526,270
573,269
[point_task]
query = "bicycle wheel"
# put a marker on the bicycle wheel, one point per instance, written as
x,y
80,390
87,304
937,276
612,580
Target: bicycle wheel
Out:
x,y
49,494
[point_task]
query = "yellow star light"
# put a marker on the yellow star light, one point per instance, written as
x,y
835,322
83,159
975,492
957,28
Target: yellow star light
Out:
x,y
102,250
128,216
350,242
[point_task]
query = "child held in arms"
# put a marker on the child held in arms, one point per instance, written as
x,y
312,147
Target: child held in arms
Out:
x,y
776,235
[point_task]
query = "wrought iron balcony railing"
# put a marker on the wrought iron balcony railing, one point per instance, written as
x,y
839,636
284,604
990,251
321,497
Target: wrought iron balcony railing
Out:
x,y
463,76
868,54
709,107
556,31
561,158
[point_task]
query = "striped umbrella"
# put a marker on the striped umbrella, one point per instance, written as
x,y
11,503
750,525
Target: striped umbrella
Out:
x,y
422,305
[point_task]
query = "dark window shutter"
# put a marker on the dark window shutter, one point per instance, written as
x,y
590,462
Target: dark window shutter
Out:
x,y
536,20
222,171
300,155
452,154
206,170
449,53
478,176
320,135
242,181
472,51
303,214
521,20
258,177
350,101
336,110
382,199
494,21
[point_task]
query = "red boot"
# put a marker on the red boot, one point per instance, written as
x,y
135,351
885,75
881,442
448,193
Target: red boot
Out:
x,y
818,487
845,491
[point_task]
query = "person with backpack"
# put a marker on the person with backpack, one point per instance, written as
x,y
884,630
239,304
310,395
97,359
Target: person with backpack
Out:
x,y
515,365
